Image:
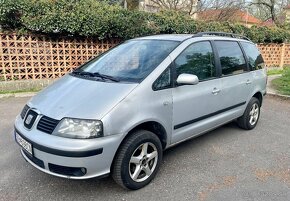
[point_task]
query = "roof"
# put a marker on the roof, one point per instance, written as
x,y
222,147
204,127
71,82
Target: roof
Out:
x,y
182,37
174,37
269,22
236,15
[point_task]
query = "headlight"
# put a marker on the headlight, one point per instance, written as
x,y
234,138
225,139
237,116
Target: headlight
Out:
x,y
79,128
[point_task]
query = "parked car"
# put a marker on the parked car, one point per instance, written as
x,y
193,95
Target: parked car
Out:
x,y
117,113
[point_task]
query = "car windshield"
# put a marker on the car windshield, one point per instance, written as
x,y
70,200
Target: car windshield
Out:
x,y
131,61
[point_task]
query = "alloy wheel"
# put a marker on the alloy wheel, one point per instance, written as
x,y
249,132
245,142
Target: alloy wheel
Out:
x,y
143,162
254,114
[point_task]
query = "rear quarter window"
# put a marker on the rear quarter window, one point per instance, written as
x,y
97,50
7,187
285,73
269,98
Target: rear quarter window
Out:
x,y
255,58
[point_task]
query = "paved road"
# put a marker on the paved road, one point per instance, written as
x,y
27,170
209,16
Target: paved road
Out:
x,y
226,164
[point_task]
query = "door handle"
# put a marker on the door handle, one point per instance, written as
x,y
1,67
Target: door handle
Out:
x,y
248,82
166,103
215,91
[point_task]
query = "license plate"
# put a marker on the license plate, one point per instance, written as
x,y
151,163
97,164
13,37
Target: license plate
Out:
x,y
23,143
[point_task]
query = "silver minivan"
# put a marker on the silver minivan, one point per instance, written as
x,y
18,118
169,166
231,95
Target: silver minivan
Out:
x,y
115,114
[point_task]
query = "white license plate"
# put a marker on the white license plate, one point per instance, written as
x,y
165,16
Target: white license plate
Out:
x,y
23,143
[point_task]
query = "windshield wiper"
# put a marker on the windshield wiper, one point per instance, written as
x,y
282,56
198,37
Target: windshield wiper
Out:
x,y
96,74
83,73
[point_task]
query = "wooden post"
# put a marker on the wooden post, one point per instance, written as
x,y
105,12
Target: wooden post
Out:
x,y
10,54
31,53
2,60
282,56
51,59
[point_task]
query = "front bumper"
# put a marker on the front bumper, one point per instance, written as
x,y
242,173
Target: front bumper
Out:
x,y
69,158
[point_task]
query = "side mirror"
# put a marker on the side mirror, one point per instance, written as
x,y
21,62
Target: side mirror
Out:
x,y
187,79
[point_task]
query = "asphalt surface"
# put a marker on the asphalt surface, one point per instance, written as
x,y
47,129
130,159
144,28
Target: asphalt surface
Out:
x,y
225,164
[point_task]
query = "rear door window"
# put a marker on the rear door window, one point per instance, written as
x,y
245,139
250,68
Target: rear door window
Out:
x,y
255,58
231,57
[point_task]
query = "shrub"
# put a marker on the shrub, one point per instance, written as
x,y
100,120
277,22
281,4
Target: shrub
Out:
x,y
10,14
91,18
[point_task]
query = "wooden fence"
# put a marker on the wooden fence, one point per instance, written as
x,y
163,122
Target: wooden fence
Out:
x,y
275,55
40,57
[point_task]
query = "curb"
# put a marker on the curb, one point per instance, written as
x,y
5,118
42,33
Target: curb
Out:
x,y
17,95
285,97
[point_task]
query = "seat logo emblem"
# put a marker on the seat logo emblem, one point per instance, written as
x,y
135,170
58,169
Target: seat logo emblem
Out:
x,y
28,119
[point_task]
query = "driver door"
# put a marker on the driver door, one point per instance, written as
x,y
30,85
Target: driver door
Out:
x,y
194,106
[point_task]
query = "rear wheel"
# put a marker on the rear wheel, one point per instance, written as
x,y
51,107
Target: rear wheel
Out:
x,y
251,115
137,160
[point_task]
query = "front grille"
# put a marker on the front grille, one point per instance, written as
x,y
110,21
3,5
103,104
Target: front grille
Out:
x,y
24,111
30,119
35,160
68,171
47,124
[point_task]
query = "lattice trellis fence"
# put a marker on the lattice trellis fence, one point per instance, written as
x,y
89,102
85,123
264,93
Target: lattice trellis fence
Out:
x,y
286,60
275,55
39,57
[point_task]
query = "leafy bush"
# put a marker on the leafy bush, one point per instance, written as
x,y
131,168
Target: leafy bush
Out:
x,y
10,13
91,18
170,22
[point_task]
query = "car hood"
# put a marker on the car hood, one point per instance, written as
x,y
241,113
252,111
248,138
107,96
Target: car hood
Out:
x,y
79,98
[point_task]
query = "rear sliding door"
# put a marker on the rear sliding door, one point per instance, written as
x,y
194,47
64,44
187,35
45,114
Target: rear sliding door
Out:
x,y
236,79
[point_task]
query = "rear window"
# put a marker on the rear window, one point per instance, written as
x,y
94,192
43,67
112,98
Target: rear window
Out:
x,y
255,58
231,57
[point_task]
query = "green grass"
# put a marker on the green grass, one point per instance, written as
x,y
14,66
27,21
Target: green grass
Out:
x,y
275,71
20,91
282,84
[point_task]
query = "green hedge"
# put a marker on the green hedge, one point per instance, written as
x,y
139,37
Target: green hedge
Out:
x,y
92,18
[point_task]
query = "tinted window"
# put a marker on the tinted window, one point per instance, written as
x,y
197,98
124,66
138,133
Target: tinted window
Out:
x,y
197,59
255,58
131,61
231,57
164,80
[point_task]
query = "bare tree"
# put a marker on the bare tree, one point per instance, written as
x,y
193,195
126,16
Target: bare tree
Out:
x,y
221,4
187,6
268,9
223,10
192,6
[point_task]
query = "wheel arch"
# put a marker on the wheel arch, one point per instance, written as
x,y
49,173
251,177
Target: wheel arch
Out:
x,y
259,96
152,126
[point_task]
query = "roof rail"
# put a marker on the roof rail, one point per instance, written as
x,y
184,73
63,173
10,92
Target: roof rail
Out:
x,y
223,34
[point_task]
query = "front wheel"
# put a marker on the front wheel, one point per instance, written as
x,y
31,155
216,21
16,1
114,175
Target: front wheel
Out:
x,y
137,160
251,115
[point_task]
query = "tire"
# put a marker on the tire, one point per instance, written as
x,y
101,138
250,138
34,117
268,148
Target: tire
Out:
x,y
135,166
251,115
